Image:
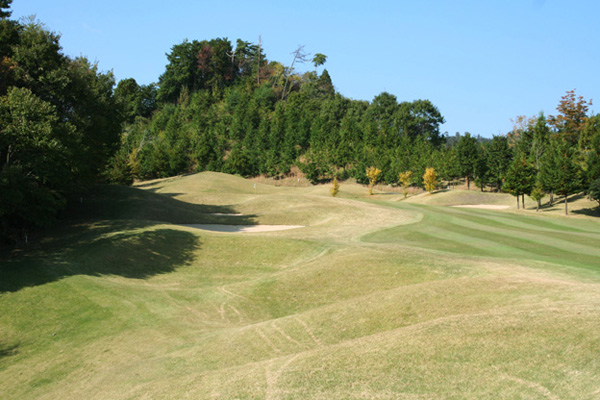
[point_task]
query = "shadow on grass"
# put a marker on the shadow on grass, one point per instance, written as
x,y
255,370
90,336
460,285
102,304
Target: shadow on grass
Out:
x,y
113,230
135,253
113,202
8,350
590,212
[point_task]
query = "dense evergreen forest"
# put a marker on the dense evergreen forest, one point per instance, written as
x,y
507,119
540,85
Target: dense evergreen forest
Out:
x,y
64,126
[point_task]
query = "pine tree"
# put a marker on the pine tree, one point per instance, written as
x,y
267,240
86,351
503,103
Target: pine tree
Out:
x,y
467,152
519,179
569,172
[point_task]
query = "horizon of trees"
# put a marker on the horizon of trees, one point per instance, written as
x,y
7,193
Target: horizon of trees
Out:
x,y
246,115
226,107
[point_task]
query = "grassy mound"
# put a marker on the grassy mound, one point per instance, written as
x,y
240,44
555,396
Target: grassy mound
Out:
x,y
374,299
465,197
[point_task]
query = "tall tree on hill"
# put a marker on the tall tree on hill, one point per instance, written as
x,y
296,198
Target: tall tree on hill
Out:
x,y
249,59
380,118
181,71
217,68
325,85
318,60
300,56
420,118
572,116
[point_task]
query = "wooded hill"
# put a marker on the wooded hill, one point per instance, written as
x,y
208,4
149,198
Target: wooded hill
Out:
x,y
229,109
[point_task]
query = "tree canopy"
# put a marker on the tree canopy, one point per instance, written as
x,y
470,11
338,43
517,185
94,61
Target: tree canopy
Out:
x,y
59,125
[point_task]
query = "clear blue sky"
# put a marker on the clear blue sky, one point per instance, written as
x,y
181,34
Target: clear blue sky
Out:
x,y
480,62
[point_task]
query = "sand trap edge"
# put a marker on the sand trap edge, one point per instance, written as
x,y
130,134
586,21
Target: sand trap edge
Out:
x,y
242,228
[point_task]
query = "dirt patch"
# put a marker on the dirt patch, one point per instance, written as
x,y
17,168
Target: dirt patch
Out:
x,y
242,228
484,206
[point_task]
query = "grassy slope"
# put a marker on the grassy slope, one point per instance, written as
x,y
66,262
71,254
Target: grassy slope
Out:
x,y
373,299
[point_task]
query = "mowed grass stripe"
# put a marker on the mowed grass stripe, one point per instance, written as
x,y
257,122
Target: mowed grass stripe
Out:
x,y
461,232
454,238
537,249
500,220
537,222
569,242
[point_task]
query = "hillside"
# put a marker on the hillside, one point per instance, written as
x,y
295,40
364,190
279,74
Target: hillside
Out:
x,y
373,298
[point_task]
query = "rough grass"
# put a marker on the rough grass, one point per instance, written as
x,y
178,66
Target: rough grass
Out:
x,y
374,299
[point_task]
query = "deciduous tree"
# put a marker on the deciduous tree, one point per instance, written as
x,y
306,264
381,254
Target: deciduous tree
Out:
x,y
572,116
373,174
405,181
335,187
430,179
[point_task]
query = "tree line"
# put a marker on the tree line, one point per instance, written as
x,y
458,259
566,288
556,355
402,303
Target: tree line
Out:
x,y
226,107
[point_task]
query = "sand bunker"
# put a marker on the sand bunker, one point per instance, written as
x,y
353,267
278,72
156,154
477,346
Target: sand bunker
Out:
x,y
484,206
227,214
242,228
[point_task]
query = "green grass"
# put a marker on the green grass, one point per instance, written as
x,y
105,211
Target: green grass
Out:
x,y
373,299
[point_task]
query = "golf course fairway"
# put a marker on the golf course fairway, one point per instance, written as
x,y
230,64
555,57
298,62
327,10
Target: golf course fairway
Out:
x,y
368,297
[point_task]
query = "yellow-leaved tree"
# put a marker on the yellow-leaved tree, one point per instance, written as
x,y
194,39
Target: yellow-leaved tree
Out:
x,y
404,179
430,179
373,175
335,187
